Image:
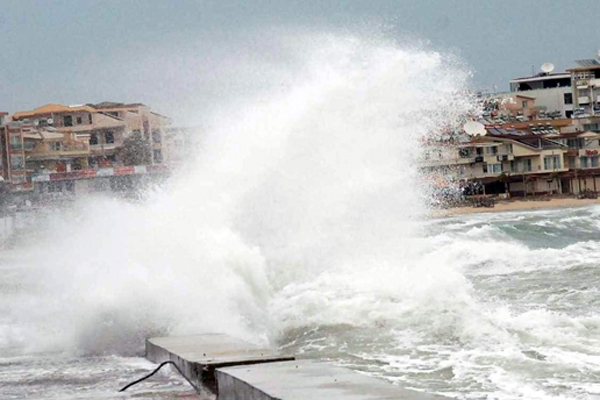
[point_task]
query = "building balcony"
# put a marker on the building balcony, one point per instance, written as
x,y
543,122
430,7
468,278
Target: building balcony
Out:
x,y
98,148
583,100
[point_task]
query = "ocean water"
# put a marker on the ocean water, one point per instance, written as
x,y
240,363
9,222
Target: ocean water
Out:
x,y
510,311
519,319
303,224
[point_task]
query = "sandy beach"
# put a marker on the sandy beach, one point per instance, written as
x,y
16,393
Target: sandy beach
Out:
x,y
519,204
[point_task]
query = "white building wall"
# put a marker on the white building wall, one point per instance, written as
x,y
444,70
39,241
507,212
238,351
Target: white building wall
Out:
x,y
552,99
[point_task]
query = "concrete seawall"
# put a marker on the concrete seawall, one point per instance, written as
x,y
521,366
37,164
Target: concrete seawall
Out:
x,y
199,356
307,380
237,370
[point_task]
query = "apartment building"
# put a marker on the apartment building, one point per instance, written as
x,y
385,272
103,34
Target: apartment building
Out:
x,y
552,93
104,126
55,146
519,162
586,87
14,147
137,118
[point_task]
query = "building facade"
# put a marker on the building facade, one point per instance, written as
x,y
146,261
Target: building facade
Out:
x,y
552,93
586,88
64,143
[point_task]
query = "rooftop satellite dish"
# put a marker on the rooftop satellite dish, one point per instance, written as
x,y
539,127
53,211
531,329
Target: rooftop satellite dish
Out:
x,y
474,128
547,67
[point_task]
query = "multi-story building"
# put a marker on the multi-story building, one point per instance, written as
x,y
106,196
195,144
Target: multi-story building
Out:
x,y
506,160
137,118
105,126
586,88
67,149
14,147
53,151
552,92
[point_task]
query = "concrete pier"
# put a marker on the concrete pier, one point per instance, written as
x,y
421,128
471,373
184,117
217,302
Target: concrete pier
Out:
x,y
307,379
198,356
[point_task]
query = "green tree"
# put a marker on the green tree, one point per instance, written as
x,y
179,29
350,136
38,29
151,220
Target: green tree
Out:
x,y
135,150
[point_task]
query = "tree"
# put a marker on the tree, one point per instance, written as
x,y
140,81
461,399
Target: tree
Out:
x,y
135,150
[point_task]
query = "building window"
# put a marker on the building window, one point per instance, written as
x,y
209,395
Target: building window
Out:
x,y
576,143
93,139
158,157
525,103
479,151
17,162
568,98
571,161
79,120
552,162
68,120
90,118
583,162
527,167
594,161
557,162
492,168
15,142
109,137
491,150
56,146
156,137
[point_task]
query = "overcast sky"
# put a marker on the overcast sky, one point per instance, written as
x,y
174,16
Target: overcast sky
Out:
x,y
78,51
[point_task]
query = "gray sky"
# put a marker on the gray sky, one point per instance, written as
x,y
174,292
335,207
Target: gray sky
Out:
x,y
161,52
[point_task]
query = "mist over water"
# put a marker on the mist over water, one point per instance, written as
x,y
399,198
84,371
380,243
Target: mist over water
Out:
x,y
302,224
312,182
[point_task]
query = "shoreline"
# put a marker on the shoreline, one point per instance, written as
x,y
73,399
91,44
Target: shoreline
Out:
x,y
517,205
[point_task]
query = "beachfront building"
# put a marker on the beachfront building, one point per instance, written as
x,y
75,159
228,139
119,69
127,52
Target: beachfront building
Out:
x,y
505,161
14,146
104,126
586,88
517,163
509,107
57,148
583,160
47,150
137,118
552,93
521,162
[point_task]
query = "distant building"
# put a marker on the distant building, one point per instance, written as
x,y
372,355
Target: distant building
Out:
x,y
137,117
514,107
551,91
586,88
182,143
61,148
104,126
14,147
